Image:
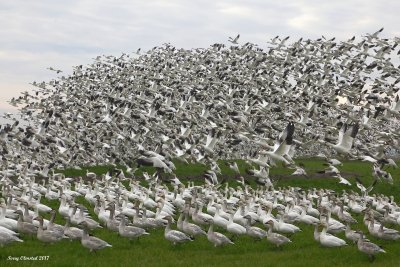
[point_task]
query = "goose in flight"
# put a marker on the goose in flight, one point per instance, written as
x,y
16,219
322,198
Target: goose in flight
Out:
x,y
345,139
282,145
234,40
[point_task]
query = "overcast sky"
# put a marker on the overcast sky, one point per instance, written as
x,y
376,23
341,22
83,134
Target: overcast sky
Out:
x,y
42,33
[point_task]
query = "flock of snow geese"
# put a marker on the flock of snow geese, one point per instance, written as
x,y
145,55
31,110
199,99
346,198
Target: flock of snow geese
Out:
x,y
266,106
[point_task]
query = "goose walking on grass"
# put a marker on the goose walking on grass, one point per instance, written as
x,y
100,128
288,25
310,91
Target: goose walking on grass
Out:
x,y
327,240
191,229
307,219
387,235
345,216
275,238
218,219
47,236
6,238
368,247
216,238
54,227
91,224
25,227
7,222
72,233
351,234
286,228
252,231
131,232
175,236
235,228
91,242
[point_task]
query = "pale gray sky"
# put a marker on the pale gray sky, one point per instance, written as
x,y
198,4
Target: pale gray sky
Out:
x,y
42,33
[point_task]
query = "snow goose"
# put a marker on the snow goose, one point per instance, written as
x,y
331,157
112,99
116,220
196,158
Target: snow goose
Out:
x,y
179,223
345,216
345,139
235,228
6,238
51,195
327,240
286,228
307,219
375,229
174,236
25,227
64,207
72,233
334,226
91,242
351,234
389,218
112,223
252,231
234,40
36,204
131,232
90,223
47,236
7,222
368,247
52,226
200,217
191,229
282,145
216,238
266,216
136,220
275,238
387,235
153,222
218,219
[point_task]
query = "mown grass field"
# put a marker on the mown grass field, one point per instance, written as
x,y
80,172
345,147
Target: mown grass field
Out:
x,y
154,250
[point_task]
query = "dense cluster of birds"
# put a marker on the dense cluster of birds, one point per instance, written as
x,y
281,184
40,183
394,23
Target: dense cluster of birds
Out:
x,y
306,98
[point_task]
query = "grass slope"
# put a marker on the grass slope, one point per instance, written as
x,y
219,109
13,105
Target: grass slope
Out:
x,y
154,250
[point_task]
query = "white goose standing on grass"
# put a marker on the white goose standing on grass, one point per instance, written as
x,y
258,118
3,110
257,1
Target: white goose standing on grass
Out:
x,y
6,238
199,217
252,231
90,223
275,238
216,238
351,234
72,233
368,247
25,227
175,236
235,228
218,219
305,218
91,242
330,240
191,229
283,227
7,222
131,232
47,236
52,226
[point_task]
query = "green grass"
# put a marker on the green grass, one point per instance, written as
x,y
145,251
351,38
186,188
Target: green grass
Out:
x,y
154,250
